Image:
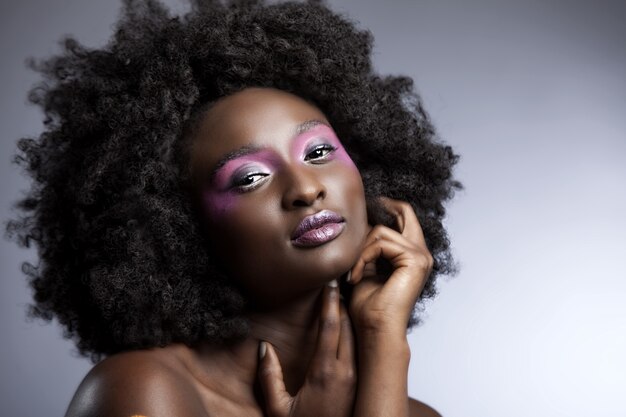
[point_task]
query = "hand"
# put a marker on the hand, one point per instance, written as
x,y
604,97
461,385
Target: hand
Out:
x,y
330,383
385,306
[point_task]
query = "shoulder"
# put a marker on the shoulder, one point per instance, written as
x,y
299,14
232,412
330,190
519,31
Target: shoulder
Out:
x,y
150,383
419,409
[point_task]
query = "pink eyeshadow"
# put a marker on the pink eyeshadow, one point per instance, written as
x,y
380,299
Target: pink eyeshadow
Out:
x,y
217,198
266,158
217,204
302,141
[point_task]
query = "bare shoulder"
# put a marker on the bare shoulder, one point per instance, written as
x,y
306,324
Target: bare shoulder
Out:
x,y
419,409
149,383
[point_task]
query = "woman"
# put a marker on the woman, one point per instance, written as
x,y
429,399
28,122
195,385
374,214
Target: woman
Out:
x,y
208,205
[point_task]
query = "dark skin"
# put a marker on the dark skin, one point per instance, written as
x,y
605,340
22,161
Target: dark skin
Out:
x,y
307,353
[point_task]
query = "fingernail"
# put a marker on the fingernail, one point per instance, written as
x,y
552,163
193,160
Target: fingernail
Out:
x,y
333,284
262,350
349,276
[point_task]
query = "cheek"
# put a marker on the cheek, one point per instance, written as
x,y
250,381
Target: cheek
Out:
x,y
353,191
233,215
342,156
238,225
216,206
225,221
346,184
247,241
351,175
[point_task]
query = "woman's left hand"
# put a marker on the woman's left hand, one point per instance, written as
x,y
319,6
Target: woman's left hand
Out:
x,y
384,307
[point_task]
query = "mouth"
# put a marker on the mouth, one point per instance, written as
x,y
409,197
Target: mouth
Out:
x,y
318,228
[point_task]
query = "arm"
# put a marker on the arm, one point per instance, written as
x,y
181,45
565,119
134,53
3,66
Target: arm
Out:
x,y
383,370
380,311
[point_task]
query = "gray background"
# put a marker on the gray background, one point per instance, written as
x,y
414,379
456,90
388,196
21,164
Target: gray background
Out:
x,y
533,96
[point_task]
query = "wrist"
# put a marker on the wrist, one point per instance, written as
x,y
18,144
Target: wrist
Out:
x,y
392,324
383,345
379,331
383,367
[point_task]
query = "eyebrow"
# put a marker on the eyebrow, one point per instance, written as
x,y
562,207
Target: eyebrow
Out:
x,y
237,153
251,149
308,125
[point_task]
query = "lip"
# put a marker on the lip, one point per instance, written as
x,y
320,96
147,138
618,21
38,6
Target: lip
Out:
x,y
318,228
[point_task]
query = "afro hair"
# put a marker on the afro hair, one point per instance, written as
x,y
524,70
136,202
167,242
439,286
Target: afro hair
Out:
x,y
123,263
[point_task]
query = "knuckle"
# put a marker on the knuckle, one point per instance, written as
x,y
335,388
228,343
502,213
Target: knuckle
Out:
x,y
429,260
423,261
404,205
348,377
323,375
329,324
378,230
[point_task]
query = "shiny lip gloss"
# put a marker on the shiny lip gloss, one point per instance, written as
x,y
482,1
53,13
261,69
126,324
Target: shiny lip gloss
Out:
x,y
318,228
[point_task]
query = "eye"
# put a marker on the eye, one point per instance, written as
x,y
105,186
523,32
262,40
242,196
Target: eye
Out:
x,y
319,153
249,181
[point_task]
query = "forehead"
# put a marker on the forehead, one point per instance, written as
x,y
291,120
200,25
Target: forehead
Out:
x,y
254,116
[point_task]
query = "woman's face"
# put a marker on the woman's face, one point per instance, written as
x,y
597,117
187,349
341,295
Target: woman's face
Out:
x,y
283,202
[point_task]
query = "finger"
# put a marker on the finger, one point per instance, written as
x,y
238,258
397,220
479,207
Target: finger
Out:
x,y
380,231
411,267
277,399
345,352
407,220
374,250
329,326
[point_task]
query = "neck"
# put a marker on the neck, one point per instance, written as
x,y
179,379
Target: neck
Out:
x,y
291,329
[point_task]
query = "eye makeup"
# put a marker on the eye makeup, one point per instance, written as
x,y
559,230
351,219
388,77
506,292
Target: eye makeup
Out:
x,y
317,136
231,178
240,174
319,154
260,162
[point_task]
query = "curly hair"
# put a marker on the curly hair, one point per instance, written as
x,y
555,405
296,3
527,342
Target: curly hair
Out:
x,y
123,263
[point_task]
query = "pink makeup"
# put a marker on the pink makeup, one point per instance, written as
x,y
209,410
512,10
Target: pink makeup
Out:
x,y
262,161
229,181
219,196
318,229
320,134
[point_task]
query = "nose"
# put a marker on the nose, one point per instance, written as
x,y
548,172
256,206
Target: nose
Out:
x,y
303,187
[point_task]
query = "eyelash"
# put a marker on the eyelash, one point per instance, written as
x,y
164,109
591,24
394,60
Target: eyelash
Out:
x,y
240,183
320,148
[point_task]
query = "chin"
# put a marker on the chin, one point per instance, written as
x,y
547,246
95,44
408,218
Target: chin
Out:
x,y
333,262
300,270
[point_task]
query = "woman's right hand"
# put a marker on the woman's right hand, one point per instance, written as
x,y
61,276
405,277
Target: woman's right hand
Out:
x,y
330,383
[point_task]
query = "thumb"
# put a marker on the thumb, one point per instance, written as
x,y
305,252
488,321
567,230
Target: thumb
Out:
x,y
277,400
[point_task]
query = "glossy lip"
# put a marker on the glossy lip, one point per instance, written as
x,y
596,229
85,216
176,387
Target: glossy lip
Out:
x,y
318,228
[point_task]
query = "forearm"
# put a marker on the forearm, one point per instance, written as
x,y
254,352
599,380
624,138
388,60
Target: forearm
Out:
x,y
383,363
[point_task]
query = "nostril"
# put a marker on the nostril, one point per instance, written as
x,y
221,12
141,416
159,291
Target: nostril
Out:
x,y
300,203
303,189
308,199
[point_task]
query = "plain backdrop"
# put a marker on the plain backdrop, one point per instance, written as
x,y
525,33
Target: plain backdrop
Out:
x,y
532,94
